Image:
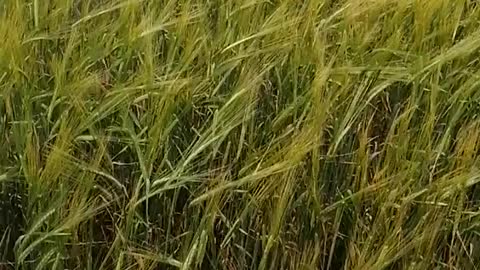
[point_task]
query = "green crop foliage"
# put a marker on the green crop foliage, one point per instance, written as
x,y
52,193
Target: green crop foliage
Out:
x,y
239,134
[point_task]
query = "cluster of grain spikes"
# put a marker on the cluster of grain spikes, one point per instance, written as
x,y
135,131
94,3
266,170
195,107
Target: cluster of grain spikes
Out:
x,y
251,134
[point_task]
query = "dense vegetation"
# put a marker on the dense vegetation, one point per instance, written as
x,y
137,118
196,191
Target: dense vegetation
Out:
x,y
239,134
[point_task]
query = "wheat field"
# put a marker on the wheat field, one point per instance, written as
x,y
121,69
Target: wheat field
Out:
x,y
239,134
